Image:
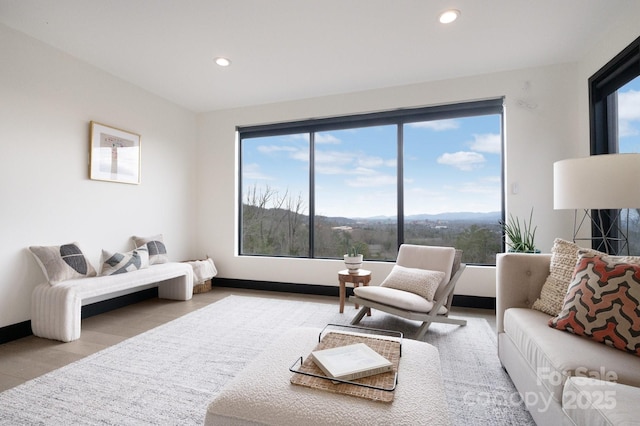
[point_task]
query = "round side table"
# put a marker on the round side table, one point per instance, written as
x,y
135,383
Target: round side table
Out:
x,y
359,277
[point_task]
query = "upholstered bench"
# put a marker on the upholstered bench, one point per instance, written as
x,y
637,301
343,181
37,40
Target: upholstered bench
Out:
x,y
56,309
263,394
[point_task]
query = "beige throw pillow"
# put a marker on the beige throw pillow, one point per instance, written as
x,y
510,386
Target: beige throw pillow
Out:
x,y
61,263
155,246
422,282
564,256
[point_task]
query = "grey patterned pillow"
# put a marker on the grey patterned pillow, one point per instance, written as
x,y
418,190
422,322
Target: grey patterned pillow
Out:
x,y
564,256
156,247
61,263
422,282
120,263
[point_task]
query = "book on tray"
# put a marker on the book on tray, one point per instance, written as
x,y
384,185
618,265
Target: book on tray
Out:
x,y
351,362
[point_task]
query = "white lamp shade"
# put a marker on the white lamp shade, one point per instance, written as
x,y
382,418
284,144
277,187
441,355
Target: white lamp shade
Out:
x,y
608,181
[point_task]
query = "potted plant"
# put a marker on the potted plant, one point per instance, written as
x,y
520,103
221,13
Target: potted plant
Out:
x,y
520,237
353,260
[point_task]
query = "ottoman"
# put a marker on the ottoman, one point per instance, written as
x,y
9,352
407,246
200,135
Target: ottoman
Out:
x,y
263,394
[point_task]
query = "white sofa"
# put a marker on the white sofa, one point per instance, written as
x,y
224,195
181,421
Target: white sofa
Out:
x,y
56,309
563,379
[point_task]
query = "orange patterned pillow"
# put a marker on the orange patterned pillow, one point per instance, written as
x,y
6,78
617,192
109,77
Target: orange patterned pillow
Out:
x,y
602,302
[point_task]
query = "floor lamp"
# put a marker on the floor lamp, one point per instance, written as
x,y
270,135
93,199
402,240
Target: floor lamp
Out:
x,y
596,185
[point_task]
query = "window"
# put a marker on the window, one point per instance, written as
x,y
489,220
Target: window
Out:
x,y
429,176
615,128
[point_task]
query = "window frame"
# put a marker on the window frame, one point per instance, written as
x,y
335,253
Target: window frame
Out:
x,y
603,124
398,117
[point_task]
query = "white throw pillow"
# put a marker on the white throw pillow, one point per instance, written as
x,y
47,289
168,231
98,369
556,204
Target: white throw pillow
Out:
x,y
422,282
156,247
120,263
61,263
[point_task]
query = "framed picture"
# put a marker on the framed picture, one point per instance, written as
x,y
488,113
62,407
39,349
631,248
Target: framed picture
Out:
x,y
114,155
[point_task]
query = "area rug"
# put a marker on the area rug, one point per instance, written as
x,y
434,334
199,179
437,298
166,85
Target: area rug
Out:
x,y
169,375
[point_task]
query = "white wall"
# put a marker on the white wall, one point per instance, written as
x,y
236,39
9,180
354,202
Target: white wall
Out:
x,y
540,118
547,120
188,182
47,100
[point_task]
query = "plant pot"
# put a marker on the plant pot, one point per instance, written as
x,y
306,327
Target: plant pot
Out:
x,y
353,263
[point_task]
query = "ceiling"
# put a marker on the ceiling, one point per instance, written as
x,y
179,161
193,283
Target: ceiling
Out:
x,y
294,49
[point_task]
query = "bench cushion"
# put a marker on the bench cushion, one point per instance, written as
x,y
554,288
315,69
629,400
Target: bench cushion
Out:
x,y
56,310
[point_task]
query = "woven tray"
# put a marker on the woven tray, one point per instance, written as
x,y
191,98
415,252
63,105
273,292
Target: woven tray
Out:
x,y
387,348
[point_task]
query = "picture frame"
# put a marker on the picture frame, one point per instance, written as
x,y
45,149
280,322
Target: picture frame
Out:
x,y
114,154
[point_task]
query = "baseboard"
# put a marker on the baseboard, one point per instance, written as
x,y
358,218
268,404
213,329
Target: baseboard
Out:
x,y
118,302
15,331
323,290
23,329
480,302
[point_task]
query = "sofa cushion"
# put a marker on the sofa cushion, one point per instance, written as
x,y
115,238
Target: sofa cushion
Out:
x,y
422,282
61,263
564,255
120,263
593,402
398,298
156,247
602,302
554,356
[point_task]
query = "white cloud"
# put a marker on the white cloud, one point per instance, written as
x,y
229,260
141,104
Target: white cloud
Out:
x,y
376,162
488,142
372,180
628,112
463,160
333,158
326,138
437,125
330,169
629,105
300,155
253,171
370,161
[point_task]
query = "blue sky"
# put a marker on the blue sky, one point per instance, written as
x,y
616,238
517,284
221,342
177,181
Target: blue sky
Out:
x,y
629,116
450,165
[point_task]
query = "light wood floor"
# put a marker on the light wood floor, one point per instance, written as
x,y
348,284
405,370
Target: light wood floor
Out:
x,y
30,357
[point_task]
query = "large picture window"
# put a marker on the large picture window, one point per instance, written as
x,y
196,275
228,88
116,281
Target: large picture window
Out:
x,y
615,128
428,176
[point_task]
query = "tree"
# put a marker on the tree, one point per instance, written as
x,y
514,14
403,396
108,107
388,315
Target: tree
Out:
x,y
478,244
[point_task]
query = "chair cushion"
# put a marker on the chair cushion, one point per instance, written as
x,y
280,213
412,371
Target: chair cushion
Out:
x,y
422,282
397,298
602,302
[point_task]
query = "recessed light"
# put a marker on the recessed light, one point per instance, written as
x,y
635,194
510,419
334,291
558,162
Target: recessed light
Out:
x,y
223,62
448,16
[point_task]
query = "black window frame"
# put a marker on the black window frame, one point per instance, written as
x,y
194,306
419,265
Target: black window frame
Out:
x,y
397,117
603,128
